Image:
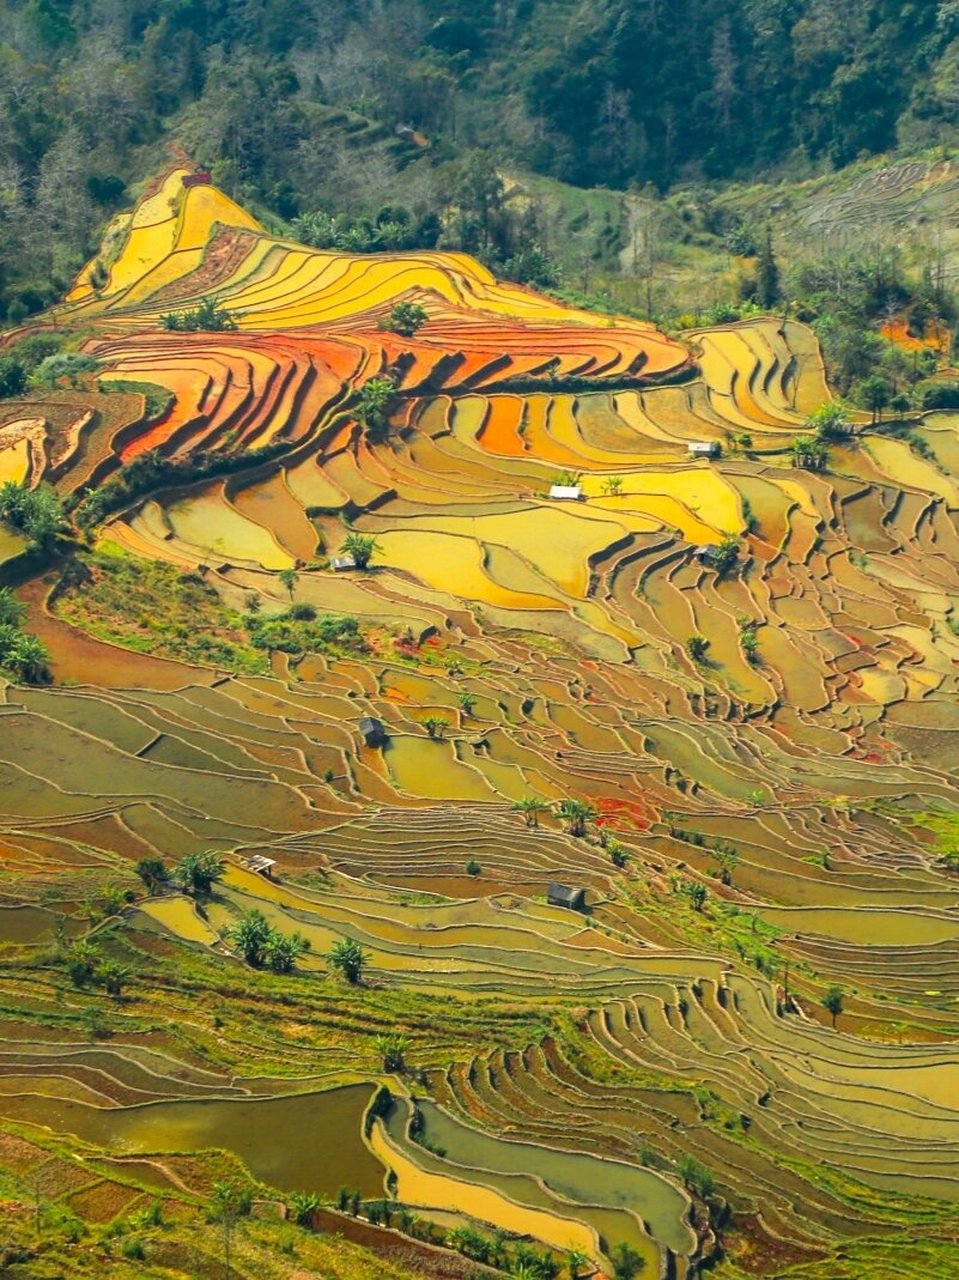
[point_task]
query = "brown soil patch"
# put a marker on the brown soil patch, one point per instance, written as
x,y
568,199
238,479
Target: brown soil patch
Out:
x,y
755,1251
221,259
18,1155
103,1202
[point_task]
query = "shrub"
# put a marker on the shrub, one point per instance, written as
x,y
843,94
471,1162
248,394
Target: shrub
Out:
x,y
69,365
695,1175
361,548
939,395
208,317
13,378
37,513
374,404
405,318
697,647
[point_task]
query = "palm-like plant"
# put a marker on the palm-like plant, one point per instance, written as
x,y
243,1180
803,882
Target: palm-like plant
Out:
x,y
28,658
114,977
228,1203
281,952
575,1261
810,453
302,1205
531,807
627,1262
82,960
361,548
576,814
348,958
198,872
251,935
392,1048
436,726
12,611
153,872
697,647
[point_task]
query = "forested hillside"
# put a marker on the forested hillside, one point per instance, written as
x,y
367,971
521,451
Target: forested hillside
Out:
x,y
295,104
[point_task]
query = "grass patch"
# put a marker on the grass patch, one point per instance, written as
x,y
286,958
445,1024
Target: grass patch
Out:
x,y
157,399
152,607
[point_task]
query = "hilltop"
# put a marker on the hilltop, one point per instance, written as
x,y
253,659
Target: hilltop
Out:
x,y
637,196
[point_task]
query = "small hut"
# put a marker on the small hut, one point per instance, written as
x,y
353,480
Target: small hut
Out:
x,y
566,492
201,178
263,866
706,554
342,563
704,448
373,731
563,895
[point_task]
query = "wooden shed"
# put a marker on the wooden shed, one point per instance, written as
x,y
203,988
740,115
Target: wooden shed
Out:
x,y
373,731
564,895
262,865
706,554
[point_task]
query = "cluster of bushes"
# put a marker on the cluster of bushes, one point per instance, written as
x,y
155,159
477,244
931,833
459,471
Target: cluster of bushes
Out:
x,y
938,395
300,630
152,607
263,946
36,513
476,218
38,360
88,967
722,313
825,426
22,655
63,366
393,228
208,317
847,297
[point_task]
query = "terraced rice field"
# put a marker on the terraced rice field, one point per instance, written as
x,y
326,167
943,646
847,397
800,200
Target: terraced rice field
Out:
x,y
565,1067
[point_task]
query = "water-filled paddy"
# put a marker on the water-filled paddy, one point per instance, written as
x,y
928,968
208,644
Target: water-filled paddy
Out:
x,y
26,925
869,927
305,1142
580,1178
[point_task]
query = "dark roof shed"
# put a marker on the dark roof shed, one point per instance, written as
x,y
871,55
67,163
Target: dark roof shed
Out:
x,y
564,895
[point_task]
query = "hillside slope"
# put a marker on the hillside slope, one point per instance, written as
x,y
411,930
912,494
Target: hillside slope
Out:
x,y
713,697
